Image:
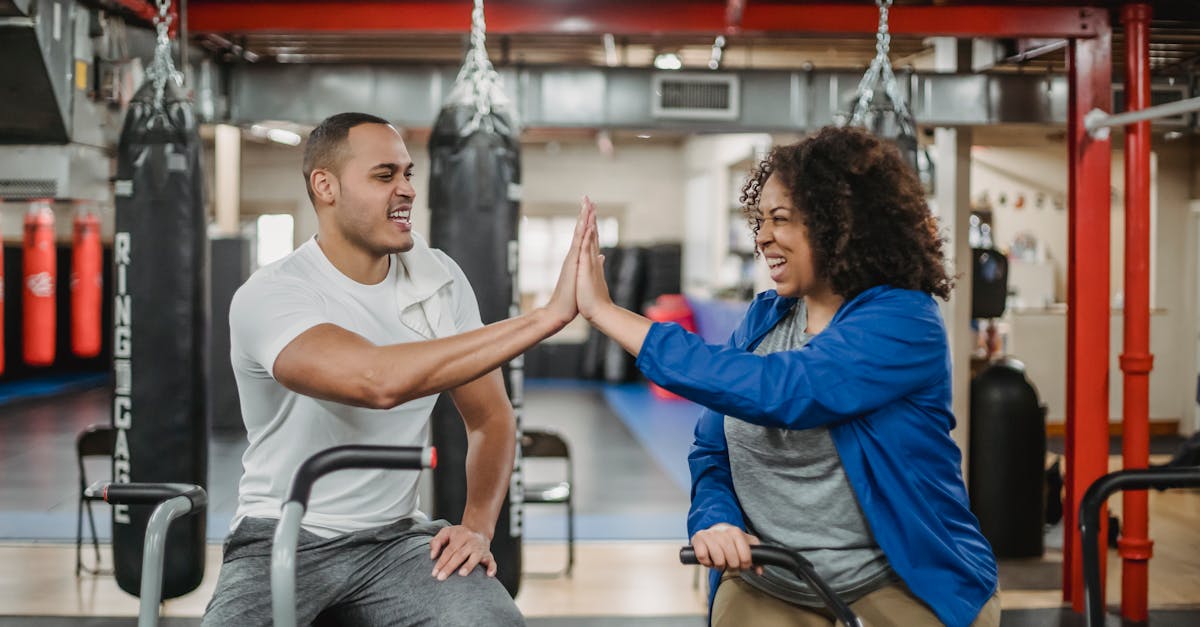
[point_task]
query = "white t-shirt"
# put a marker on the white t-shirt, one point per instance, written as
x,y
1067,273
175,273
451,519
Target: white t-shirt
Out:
x,y
425,295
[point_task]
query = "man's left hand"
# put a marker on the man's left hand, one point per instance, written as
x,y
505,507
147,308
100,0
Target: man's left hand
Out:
x,y
460,548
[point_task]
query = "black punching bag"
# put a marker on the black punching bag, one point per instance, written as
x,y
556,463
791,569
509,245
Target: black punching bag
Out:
x,y
1008,460
474,187
160,327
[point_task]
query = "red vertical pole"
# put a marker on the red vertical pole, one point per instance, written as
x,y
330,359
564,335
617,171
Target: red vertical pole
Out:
x,y
1136,361
1090,75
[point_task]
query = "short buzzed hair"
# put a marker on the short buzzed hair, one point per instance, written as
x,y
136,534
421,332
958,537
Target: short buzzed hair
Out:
x,y
326,144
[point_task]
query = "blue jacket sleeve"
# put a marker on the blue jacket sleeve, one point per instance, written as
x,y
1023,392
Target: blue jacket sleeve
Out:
x,y
713,498
875,352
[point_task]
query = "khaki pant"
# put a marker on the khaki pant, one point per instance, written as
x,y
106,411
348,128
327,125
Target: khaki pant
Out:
x,y
738,603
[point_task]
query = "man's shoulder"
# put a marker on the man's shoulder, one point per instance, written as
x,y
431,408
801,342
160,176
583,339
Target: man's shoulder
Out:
x,y
291,275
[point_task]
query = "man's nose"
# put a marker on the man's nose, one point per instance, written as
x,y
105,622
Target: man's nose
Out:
x,y
405,189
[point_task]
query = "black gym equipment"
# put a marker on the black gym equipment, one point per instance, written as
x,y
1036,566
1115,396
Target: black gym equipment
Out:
x,y
989,285
160,321
1008,460
287,531
797,564
474,194
1089,520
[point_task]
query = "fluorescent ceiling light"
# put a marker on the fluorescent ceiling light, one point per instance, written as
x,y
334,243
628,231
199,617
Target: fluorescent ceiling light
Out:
x,y
282,136
668,61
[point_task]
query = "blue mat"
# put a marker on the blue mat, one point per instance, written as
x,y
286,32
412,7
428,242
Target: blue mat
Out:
x,y
663,428
14,391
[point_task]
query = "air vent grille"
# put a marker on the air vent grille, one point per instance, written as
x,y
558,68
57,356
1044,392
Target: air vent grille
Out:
x,y
696,96
28,188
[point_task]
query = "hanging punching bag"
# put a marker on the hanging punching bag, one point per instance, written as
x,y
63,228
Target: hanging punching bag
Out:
x,y
160,322
86,283
39,273
474,187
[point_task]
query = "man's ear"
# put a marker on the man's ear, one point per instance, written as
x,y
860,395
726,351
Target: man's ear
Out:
x,y
324,185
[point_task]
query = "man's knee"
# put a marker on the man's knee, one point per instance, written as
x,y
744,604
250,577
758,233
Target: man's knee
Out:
x,y
477,600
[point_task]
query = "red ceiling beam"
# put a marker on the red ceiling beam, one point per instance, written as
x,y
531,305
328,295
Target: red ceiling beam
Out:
x,y
641,17
147,10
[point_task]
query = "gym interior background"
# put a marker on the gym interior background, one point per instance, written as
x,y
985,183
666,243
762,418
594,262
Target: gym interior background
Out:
x,y
656,111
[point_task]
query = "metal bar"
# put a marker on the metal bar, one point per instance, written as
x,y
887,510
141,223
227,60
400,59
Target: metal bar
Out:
x,y
626,17
283,564
1035,52
1089,64
152,557
1136,361
287,530
797,564
1097,120
1090,520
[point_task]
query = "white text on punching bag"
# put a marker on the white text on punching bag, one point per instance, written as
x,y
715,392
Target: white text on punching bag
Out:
x,y
122,371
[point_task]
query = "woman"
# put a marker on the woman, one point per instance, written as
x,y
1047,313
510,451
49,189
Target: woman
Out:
x,y
827,422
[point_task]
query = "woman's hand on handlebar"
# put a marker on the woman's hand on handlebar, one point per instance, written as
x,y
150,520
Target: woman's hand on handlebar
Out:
x,y
725,547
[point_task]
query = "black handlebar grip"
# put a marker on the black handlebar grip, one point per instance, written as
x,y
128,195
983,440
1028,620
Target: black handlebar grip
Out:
x,y
147,493
357,456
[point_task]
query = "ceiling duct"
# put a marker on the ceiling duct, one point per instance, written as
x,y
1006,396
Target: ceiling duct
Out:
x,y
35,86
71,171
695,96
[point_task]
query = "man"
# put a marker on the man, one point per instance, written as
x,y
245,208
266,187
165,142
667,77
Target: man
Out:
x,y
349,339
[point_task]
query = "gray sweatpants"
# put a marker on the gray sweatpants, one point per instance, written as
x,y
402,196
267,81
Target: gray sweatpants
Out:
x,y
375,577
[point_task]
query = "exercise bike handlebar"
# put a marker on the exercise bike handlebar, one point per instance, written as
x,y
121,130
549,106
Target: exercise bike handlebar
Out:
x,y
794,562
145,493
1089,520
287,532
357,456
171,501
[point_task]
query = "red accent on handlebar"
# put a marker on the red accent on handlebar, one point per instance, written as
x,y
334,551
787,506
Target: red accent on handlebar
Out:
x,y
432,457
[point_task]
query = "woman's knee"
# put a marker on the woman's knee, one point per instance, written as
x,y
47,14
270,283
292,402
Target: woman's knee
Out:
x,y
738,603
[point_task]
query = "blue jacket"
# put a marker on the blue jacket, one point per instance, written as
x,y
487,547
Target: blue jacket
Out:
x,y
879,377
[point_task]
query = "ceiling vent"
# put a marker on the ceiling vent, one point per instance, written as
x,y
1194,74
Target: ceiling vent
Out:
x,y
28,188
695,96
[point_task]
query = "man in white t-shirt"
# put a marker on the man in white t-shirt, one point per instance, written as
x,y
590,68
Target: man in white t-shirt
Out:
x,y
349,340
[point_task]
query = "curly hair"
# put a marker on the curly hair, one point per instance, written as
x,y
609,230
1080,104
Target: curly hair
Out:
x,y
864,208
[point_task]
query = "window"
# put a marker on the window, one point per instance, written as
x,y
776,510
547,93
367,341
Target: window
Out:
x,y
273,238
544,241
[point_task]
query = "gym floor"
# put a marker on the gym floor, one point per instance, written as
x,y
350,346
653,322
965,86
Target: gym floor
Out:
x,y
629,452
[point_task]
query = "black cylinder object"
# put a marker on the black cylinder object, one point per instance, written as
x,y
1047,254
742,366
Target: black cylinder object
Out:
x,y
474,191
989,289
159,329
1008,459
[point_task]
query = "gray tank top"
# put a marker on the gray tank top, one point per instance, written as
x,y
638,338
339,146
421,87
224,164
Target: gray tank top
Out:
x,y
795,493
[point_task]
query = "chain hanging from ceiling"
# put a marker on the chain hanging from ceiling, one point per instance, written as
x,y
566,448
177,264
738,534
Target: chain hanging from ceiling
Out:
x,y
881,107
162,66
478,84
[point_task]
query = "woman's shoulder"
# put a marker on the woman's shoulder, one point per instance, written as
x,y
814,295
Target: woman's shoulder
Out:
x,y
888,297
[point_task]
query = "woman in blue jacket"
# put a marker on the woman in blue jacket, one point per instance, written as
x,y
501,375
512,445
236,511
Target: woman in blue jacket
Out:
x,y
827,422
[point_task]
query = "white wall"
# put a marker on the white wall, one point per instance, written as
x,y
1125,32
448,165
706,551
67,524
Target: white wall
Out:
x,y
715,166
1027,171
1039,337
641,184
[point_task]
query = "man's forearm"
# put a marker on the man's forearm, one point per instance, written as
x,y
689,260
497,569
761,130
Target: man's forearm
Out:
x,y
491,450
439,365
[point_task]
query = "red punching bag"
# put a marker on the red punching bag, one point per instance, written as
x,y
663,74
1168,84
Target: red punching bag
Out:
x,y
39,273
86,277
